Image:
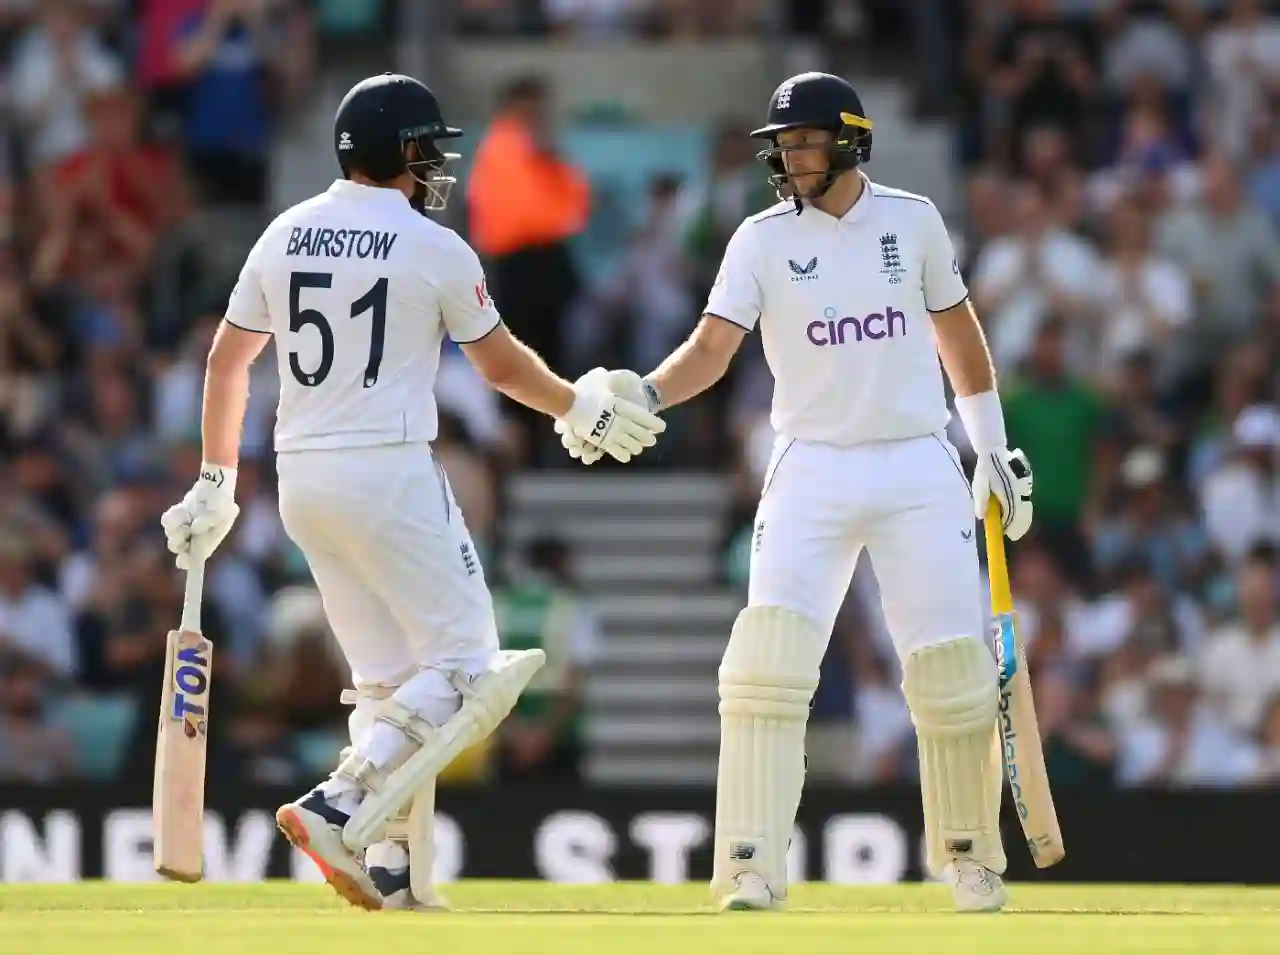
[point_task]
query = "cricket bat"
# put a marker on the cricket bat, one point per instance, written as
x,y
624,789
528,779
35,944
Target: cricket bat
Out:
x,y
1019,733
177,797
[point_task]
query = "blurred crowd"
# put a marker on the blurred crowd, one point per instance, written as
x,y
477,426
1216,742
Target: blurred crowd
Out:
x,y
1122,164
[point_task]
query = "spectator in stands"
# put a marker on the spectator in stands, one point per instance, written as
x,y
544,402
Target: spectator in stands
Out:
x,y
1137,612
1146,300
1079,746
1053,168
1231,254
225,56
1243,58
1269,737
31,751
1263,165
1136,415
543,737
525,203
645,305
1044,71
57,63
710,208
595,19
1241,498
126,188
1039,272
30,355
34,623
1056,418
1239,665
1144,44
1180,741
1150,526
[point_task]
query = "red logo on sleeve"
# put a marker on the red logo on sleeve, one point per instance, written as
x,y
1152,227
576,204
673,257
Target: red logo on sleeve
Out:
x,y
482,292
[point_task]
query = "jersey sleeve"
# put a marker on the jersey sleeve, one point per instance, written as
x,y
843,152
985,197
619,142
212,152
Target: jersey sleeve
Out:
x,y
943,286
247,307
465,304
736,294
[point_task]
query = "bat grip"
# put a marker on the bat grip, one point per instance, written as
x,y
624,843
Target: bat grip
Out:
x,y
192,595
997,561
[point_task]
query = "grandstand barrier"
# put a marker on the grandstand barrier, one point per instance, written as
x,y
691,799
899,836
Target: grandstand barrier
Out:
x,y
582,835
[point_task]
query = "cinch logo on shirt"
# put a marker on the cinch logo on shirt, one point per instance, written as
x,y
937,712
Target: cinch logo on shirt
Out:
x,y
837,331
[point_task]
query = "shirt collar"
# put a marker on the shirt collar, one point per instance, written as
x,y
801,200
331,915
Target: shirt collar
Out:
x,y
863,205
345,188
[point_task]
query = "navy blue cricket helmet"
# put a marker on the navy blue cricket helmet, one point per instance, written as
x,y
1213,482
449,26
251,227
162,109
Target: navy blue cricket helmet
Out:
x,y
377,123
815,101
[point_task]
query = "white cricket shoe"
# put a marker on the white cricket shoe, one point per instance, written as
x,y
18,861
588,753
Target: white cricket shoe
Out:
x,y
394,885
404,901
315,827
977,888
750,894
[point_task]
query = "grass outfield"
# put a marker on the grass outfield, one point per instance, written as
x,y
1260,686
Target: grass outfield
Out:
x,y
494,918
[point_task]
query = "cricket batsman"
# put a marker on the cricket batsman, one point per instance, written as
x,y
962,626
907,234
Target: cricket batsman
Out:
x,y
359,288
861,305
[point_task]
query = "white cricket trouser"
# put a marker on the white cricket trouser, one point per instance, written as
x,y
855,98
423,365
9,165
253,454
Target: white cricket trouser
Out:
x,y
907,502
395,564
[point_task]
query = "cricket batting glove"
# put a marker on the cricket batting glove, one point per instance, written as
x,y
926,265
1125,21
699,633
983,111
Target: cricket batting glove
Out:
x,y
1007,475
624,384
201,521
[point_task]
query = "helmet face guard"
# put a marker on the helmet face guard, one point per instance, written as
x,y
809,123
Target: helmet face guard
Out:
x,y
429,170
850,148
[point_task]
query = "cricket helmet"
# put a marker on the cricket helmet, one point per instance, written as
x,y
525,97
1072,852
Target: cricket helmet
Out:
x,y
815,101
377,122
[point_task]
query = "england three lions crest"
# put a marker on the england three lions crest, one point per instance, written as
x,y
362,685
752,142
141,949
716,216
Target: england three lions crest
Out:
x,y
891,258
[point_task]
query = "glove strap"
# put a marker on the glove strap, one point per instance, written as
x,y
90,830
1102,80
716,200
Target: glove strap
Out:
x,y
983,421
652,395
223,478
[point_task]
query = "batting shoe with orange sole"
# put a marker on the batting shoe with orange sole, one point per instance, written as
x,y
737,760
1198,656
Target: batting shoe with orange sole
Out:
x,y
315,827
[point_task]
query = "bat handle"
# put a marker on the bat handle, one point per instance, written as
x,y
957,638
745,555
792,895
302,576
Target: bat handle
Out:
x,y
192,595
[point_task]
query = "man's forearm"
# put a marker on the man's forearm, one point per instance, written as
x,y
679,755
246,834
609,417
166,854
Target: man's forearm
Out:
x,y
536,386
687,372
226,394
964,353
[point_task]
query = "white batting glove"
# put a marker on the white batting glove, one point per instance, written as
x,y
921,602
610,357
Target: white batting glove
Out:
x,y
625,384
619,427
1006,475
202,519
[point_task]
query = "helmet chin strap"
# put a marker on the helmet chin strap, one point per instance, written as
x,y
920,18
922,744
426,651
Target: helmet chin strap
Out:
x,y
828,180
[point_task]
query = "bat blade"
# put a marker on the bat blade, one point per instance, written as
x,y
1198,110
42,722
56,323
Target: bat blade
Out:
x,y
181,743
1019,730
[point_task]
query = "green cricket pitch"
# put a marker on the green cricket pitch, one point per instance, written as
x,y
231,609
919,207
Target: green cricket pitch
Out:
x,y
495,918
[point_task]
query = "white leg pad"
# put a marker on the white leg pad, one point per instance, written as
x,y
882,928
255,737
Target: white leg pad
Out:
x,y
487,699
767,679
414,828
951,689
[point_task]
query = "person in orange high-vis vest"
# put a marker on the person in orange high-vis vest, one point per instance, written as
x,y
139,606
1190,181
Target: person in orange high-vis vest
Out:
x,y
525,203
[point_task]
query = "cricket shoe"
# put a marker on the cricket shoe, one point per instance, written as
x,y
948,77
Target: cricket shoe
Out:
x,y
315,827
394,883
750,894
977,888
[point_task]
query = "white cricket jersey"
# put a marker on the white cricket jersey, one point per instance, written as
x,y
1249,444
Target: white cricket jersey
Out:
x,y
843,306
359,290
